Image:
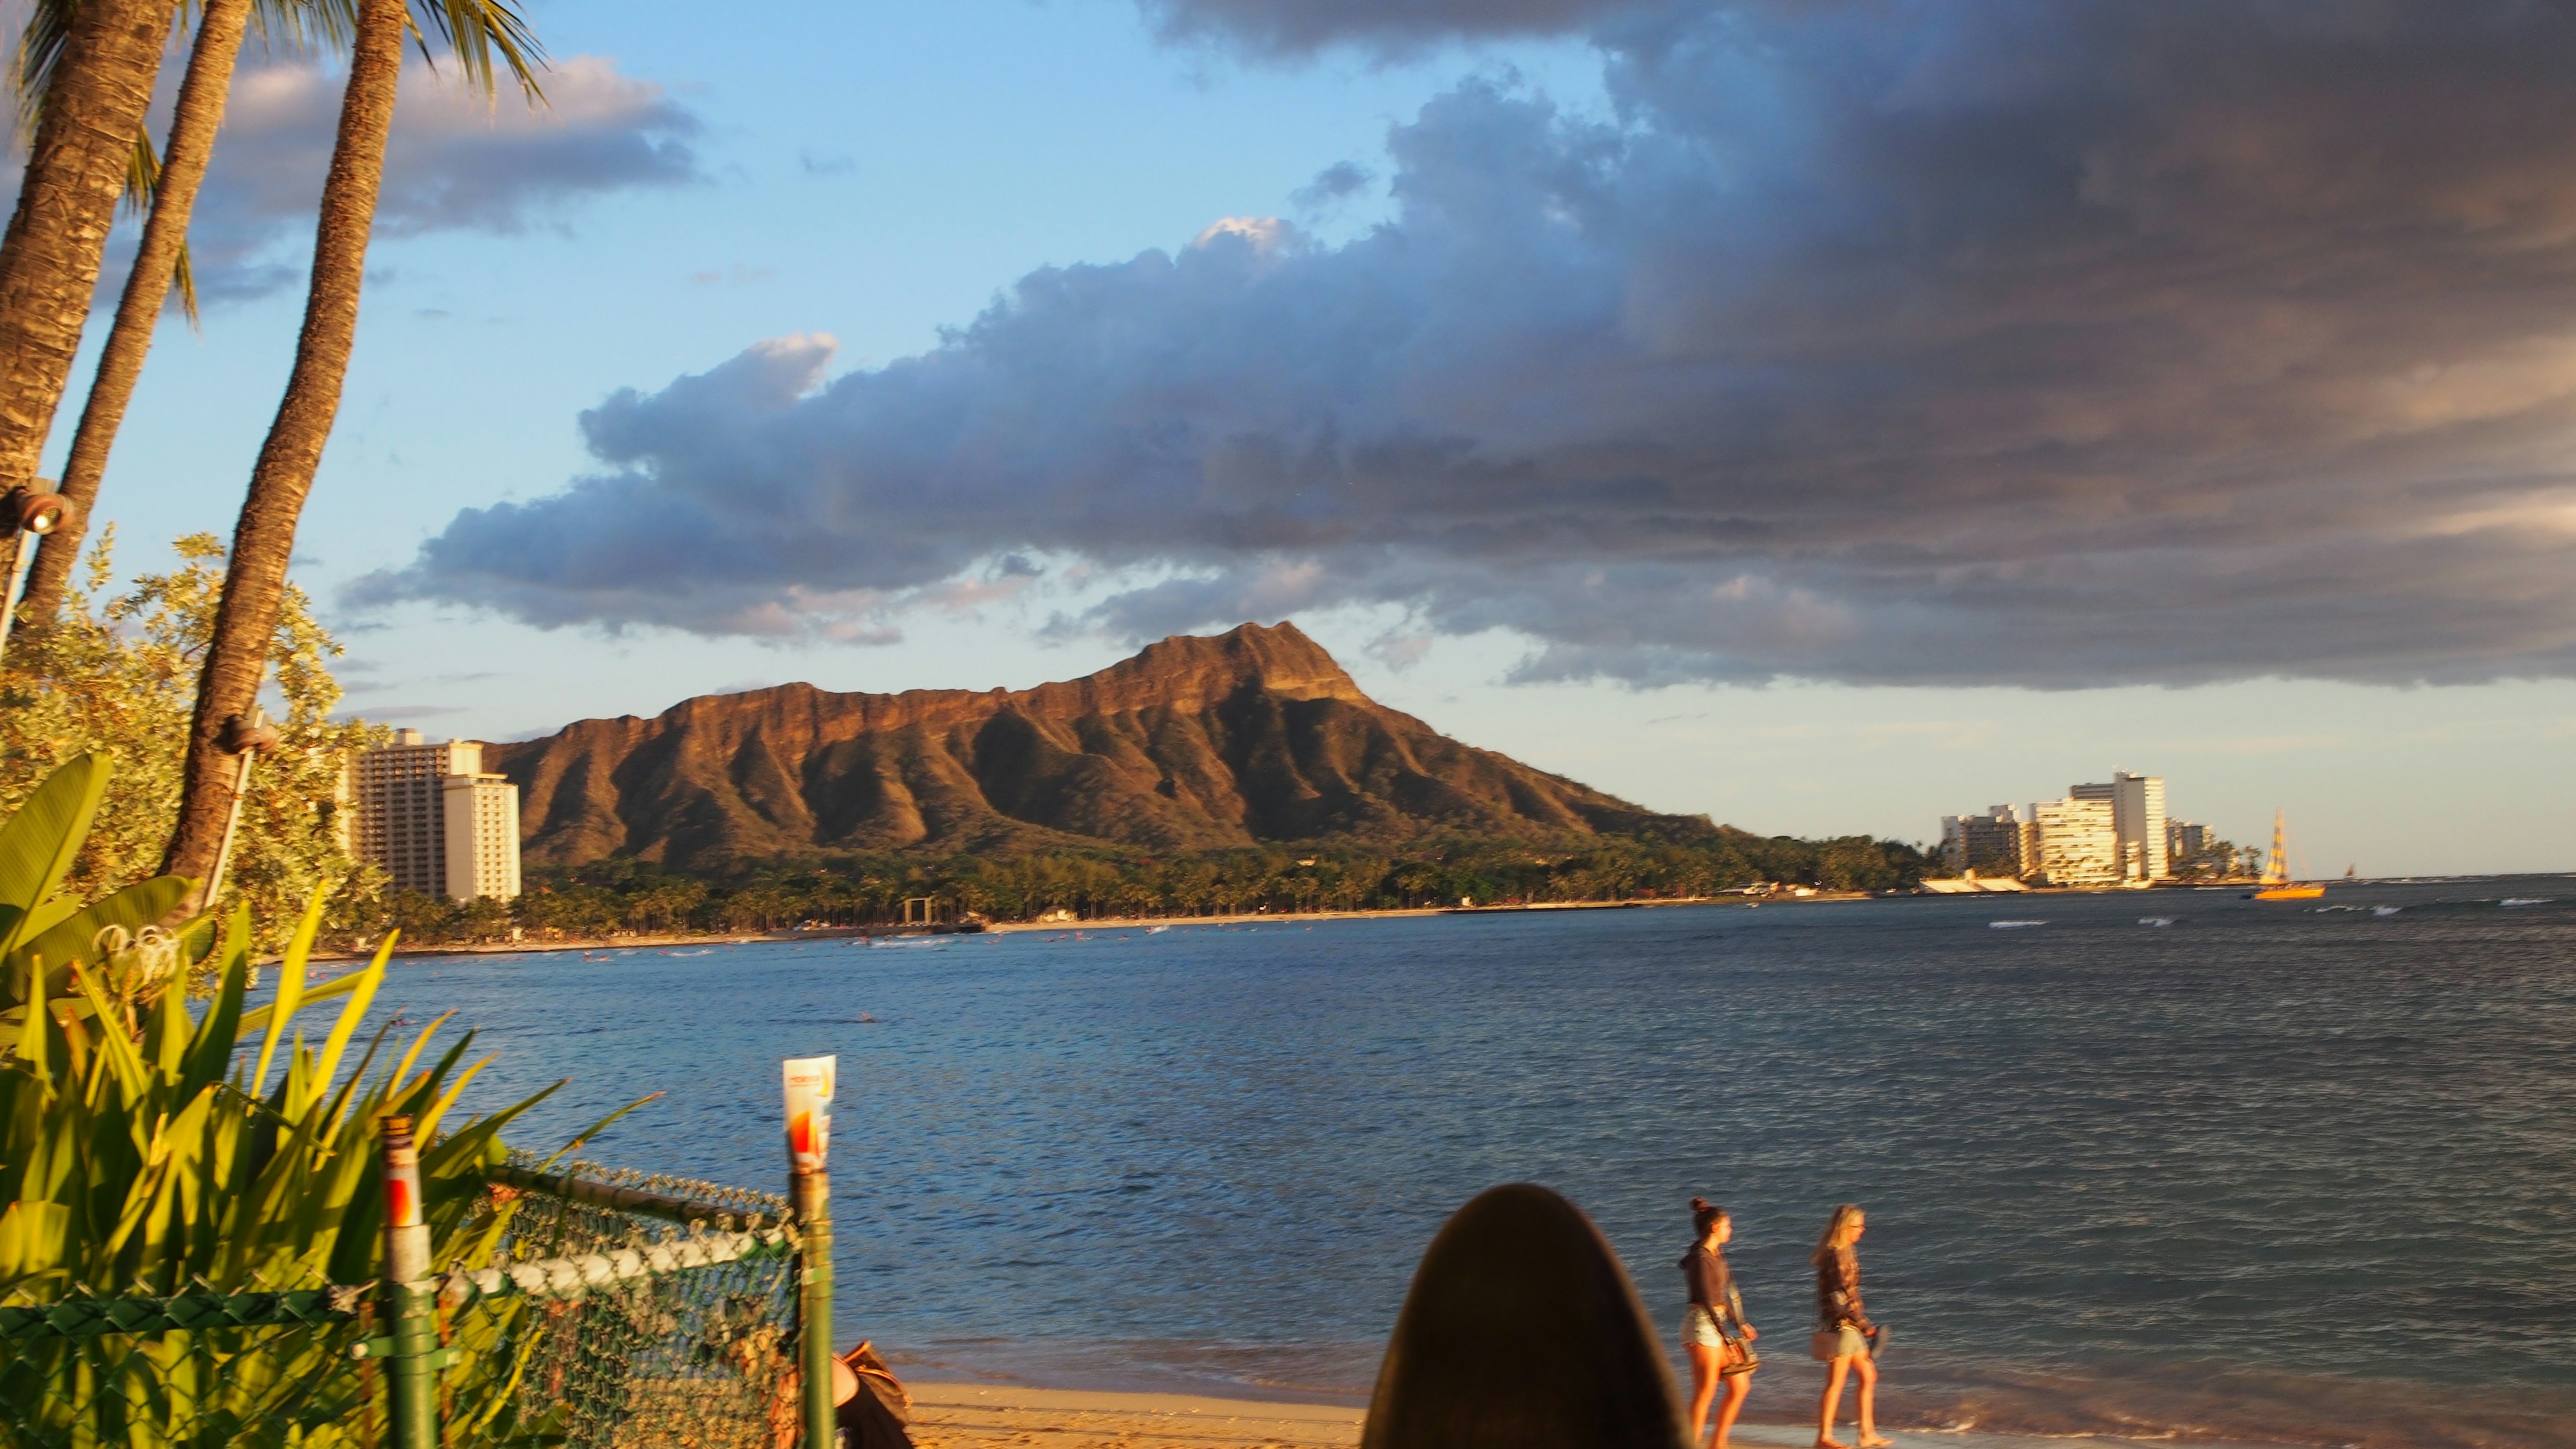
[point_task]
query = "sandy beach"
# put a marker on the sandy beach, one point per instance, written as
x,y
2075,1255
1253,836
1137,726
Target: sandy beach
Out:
x,y
973,1416
967,1416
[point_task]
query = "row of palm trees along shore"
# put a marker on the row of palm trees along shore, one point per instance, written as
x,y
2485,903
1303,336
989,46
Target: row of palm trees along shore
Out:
x,y
85,81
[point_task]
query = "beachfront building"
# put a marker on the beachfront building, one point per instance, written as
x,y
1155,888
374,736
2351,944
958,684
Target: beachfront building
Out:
x,y
2196,849
435,820
2078,841
2138,821
1988,844
2138,814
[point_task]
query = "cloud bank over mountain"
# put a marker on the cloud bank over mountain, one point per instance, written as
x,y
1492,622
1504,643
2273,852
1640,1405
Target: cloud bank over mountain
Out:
x,y
2058,343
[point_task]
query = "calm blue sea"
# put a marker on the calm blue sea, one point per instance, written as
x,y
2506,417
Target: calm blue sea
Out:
x,y
2268,1172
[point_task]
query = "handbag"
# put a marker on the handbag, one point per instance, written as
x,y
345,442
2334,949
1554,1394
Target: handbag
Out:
x,y
1735,1356
1825,1345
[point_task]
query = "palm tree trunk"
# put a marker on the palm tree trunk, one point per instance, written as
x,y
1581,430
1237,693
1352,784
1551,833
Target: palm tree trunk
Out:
x,y
66,202
199,114
255,575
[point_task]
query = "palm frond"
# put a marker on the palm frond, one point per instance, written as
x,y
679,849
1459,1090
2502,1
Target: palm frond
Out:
x,y
475,31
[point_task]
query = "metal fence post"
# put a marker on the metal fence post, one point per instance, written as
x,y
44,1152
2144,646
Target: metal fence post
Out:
x,y
809,1190
410,1303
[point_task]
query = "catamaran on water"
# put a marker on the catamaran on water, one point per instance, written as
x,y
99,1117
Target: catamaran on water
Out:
x,y
2277,885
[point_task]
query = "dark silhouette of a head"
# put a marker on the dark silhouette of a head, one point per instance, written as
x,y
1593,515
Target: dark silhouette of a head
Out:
x,y
1522,1329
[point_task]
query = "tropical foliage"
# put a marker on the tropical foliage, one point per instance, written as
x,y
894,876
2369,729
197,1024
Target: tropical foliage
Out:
x,y
477,33
94,98
164,188
143,1151
117,679
136,1149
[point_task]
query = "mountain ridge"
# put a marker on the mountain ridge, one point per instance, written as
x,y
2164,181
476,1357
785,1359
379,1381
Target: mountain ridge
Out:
x,y
1249,737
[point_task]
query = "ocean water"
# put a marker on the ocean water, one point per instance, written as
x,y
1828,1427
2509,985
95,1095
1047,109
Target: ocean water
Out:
x,y
2267,1173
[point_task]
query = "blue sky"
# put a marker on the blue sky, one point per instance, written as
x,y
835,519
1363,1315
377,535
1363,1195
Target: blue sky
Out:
x,y
2026,497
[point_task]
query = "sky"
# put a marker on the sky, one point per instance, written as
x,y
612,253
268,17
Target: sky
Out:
x,y
1825,415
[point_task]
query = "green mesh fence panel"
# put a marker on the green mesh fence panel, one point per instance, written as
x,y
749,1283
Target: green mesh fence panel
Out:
x,y
618,1310
206,1369
598,1327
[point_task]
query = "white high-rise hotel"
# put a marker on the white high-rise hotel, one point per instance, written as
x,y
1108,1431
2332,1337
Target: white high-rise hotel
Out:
x,y
435,821
2138,814
2100,834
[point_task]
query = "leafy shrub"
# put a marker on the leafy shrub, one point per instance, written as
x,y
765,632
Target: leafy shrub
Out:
x,y
143,1151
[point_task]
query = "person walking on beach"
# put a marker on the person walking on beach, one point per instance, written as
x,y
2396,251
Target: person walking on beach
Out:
x,y
1713,1326
1848,1341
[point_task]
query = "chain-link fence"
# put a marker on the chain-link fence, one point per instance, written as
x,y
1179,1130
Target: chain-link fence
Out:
x,y
199,1368
614,1310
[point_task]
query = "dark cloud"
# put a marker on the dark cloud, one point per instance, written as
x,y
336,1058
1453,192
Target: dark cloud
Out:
x,y
1290,27
1338,182
455,161
2057,342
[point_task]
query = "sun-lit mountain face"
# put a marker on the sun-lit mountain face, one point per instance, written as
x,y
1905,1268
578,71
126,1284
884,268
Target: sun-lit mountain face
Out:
x,y
1195,743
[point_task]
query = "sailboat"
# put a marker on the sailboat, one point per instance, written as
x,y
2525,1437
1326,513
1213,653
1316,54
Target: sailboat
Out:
x,y
2277,885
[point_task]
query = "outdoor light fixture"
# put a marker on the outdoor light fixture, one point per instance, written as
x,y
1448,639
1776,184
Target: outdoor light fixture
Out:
x,y
26,514
245,736
34,511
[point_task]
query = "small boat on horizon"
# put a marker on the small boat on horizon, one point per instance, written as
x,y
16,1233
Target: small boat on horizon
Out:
x,y
2277,885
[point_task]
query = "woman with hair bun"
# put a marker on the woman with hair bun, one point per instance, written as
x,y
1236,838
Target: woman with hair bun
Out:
x,y
1713,1326
1846,1340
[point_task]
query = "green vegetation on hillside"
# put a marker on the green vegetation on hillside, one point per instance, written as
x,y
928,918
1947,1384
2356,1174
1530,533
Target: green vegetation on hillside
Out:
x,y
621,895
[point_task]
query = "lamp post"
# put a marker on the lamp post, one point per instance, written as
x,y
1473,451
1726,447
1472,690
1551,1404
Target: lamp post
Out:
x,y
243,736
27,514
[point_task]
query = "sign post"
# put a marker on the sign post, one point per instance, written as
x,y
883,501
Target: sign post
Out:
x,y
411,1298
809,1082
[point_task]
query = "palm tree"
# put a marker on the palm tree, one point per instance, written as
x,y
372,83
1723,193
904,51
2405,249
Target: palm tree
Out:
x,y
95,99
264,537
181,167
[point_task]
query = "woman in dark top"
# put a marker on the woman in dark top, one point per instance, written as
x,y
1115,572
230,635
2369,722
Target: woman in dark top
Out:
x,y
1847,1341
1713,1326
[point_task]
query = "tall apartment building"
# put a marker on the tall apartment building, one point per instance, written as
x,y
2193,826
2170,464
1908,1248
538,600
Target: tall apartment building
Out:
x,y
2185,840
1990,844
2138,814
2079,843
435,821
2138,820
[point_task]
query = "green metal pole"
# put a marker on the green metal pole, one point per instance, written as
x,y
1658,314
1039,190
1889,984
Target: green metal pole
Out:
x,y
809,1082
411,1299
812,1195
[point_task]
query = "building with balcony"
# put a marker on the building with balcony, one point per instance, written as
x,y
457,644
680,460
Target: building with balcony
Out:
x,y
2078,841
1992,844
435,820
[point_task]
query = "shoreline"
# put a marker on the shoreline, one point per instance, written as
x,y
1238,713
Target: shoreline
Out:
x,y
962,1414
666,940
1095,923
1387,913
